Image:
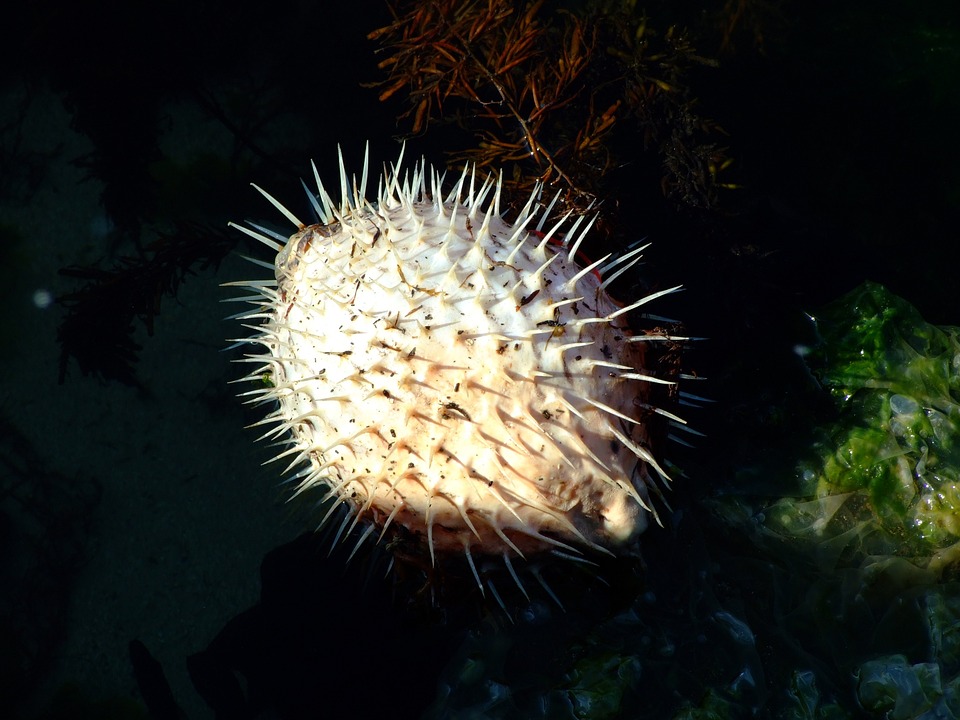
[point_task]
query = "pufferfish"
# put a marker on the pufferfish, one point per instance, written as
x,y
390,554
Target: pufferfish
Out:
x,y
458,382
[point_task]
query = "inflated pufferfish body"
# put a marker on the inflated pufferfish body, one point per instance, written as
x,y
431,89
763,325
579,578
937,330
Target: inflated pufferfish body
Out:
x,y
455,378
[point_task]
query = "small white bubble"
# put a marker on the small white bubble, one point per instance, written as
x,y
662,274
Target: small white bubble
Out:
x,y
903,405
42,298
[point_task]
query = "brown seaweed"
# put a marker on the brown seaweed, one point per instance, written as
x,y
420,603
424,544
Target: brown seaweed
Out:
x,y
556,97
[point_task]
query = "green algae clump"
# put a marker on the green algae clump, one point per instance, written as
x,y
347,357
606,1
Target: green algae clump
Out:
x,y
890,459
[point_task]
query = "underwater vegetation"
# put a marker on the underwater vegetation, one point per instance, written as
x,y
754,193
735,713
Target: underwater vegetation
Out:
x,y
889,464
101,316
559,96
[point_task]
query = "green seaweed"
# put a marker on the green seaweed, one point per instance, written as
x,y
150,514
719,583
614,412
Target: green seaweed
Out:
x,y
893,688
891,458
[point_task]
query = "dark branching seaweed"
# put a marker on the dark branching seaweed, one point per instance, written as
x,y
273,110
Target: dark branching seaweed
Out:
x,y
98,327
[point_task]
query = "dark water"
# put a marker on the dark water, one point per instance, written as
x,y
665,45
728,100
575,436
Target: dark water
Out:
x,y
135,515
